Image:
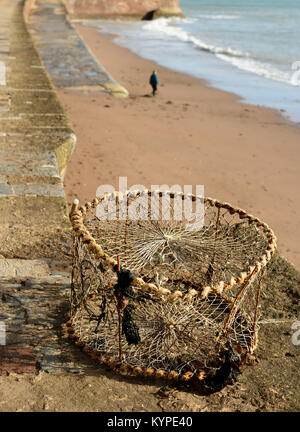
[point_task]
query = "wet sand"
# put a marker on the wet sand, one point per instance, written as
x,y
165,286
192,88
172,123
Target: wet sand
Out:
x,y
189,134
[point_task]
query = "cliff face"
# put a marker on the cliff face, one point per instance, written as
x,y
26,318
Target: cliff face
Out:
x,y
147,9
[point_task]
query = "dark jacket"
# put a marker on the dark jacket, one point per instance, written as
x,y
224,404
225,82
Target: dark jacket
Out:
x,y
153,79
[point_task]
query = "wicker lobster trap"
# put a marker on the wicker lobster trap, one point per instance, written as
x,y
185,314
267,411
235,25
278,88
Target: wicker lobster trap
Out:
x,y
150,297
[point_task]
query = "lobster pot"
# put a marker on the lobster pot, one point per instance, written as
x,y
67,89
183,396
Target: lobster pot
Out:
x,y
167,285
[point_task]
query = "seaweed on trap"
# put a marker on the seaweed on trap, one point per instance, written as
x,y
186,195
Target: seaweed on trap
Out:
x,y
123,289
229,369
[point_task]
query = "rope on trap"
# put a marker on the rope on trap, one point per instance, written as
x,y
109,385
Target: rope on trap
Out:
x,y
192,316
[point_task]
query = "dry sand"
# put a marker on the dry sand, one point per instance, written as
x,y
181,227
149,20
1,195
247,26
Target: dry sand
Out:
x,y
190,134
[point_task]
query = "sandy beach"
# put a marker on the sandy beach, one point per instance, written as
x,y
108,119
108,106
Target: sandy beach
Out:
x,y
189,134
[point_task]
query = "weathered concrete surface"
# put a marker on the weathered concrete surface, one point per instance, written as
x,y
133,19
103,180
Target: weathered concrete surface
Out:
x,y
15,268
36,142
67,59
33,309
127,8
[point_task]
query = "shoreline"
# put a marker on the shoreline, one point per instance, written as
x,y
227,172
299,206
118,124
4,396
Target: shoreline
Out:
x,y
243,154
238,98
251,85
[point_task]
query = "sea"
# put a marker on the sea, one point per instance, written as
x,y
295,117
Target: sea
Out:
x,y
248,47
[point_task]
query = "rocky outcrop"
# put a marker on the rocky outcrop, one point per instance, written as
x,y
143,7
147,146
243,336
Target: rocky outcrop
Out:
x,y
147,9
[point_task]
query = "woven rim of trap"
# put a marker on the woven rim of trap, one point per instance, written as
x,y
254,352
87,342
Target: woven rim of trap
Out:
x,y
77,220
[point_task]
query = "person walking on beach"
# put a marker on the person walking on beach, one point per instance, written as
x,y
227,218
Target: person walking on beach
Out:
x,y
154,82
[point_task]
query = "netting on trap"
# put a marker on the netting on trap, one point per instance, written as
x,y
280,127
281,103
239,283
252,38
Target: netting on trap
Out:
x,y
155,295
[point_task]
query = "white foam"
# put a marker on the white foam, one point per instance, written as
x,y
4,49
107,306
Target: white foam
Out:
x,y
188,20
259,68
164,26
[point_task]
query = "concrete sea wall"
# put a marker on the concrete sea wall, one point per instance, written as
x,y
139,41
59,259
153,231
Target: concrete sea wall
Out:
x,y
36,142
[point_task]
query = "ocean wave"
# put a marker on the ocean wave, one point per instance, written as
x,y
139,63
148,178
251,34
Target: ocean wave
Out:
x,y
218,17
241,60
259,68
187,20
167,28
